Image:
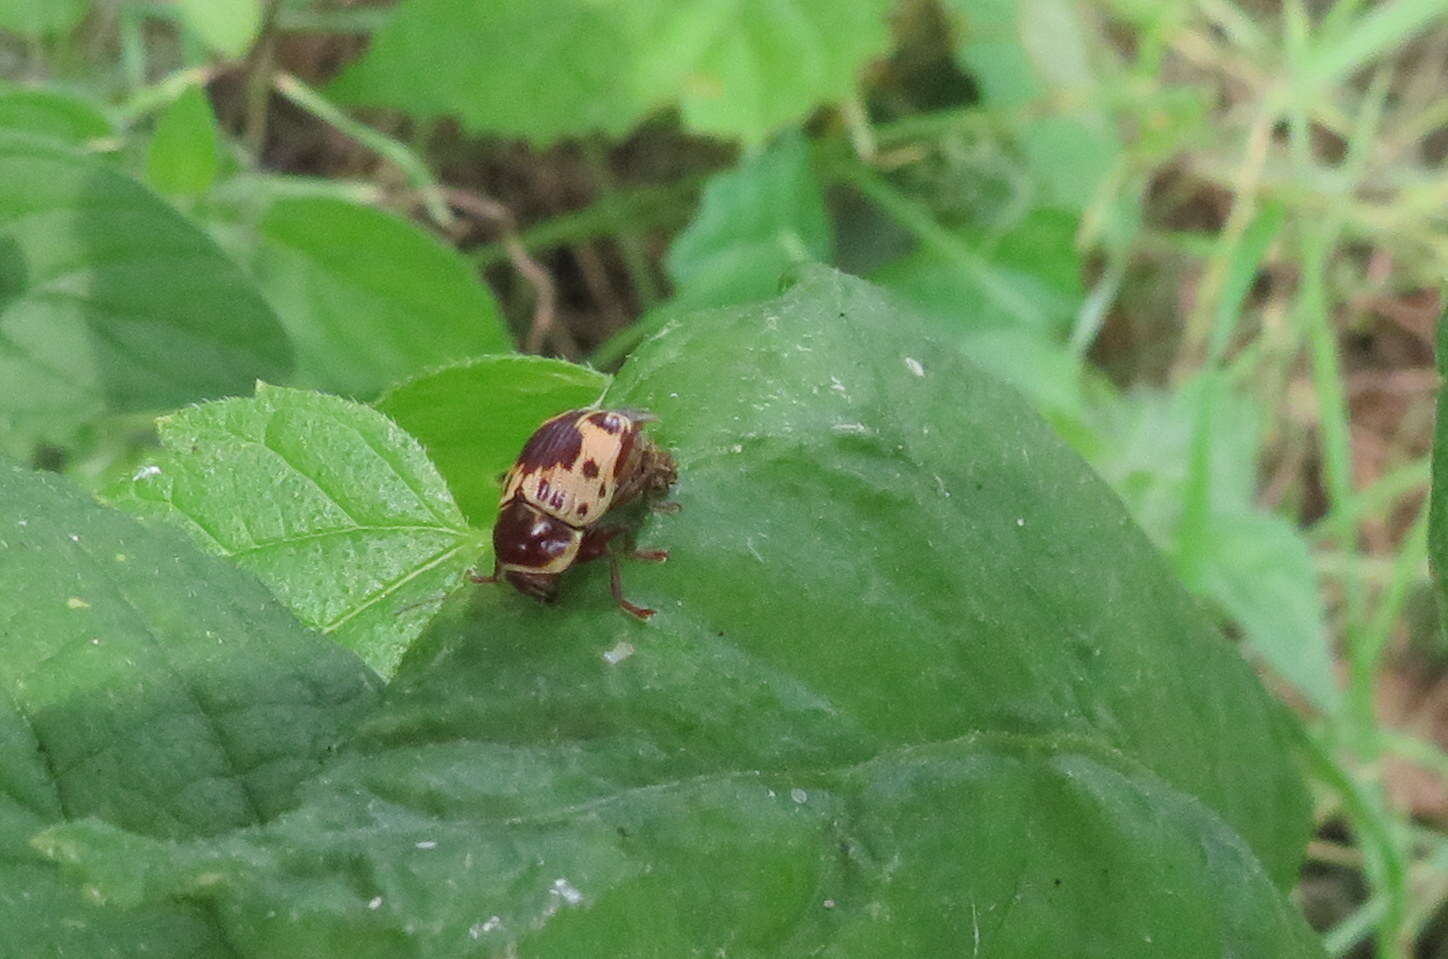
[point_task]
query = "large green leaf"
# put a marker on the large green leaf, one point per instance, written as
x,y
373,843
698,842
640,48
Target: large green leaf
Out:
x,y
369,299
109,299
151,686
916,686
325,500
737,68
473,418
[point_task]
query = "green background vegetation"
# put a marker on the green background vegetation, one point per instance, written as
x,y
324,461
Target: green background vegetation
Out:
x,y
1038,370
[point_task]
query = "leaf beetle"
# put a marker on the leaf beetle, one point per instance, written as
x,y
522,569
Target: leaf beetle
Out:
x,y
573,471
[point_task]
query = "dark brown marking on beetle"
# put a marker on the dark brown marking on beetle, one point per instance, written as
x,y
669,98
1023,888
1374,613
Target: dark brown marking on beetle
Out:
x,y
590,469
526,536
625,451
556,443
602,490
610,423
582,510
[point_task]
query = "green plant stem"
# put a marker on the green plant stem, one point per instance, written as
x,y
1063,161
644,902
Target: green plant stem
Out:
x,y
1383,857
643,208
412,166
1377,498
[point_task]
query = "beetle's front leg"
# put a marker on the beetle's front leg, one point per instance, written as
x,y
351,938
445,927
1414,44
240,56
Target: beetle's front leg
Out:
x,y
595,544
472,574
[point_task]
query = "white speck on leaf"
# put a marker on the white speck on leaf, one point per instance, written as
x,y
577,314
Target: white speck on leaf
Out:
x,y
829,904
621,650
941,484
146,472
851,429
749,545
736,448
75,537
75,602
22,522
799,795
375,902
913,365
1020,521
426,844
836,385
476,930
566,889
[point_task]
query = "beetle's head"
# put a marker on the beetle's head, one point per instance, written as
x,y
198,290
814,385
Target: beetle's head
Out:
x,y
543,586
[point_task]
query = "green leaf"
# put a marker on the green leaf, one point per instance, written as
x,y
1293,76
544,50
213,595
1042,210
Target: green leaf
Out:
x,y
1254,565
226,26
111,300
38,18
148,685
736,68
368,298
473,418
1025,52
1259,568
754,223
184,156
331,505
54,114
915,682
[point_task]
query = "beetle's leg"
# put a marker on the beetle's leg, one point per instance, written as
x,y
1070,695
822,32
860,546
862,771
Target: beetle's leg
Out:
x,y
666,507
615,580
649,555
595,543
472,574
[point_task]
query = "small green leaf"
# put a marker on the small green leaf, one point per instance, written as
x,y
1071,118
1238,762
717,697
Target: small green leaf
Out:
x,y
227,26
111,300
368,298
184,156
1260,570
1025,52
736,68
148,685
473,418
754,222
54,114
39,18
914,678
331,505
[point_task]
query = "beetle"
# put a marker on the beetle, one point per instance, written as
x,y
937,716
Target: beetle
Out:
x,y
573,472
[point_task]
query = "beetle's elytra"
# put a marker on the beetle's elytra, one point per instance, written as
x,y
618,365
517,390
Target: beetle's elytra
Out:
x,y
575,469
